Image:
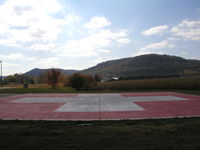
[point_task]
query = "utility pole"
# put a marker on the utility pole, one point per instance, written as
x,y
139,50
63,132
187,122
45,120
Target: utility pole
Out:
x,y
1,74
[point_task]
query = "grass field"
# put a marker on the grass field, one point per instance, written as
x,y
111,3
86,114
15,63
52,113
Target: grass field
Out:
x,y
38,90
17,89
163,134
71,90
184,84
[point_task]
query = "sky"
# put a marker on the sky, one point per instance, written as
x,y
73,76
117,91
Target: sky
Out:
x,y
78,34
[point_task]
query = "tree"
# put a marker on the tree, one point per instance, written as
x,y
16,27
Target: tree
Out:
x,y
76,81
89,83
18,79
79,81
53,77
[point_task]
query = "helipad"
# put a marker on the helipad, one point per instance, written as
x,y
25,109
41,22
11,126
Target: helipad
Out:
x,y
99,106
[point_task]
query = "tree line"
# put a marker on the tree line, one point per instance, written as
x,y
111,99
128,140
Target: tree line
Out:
x,y
54,78
76,80
18,79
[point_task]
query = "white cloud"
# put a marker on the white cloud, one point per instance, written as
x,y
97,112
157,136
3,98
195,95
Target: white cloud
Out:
x,y
42,47
8,42
100,59
153,47
187,30
40,25
173,39
104,50
158,45
155,30
11,63
12,56
23,21
89,45
50,62
7,67
97,23
184,53
123,41
71,18
15,56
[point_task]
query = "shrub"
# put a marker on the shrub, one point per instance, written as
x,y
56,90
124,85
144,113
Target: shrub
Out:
x,y
79,81
76,81
89,83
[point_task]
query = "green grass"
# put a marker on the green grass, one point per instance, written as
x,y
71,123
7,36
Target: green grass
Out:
x,y
71,90
37,90
162,134
189,85
194,92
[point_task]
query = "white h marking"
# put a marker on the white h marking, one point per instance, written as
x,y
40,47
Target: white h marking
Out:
x,y
99,102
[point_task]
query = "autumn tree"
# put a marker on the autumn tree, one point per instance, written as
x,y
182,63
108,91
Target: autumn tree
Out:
x,y
53,77
89,83
80,81
76,81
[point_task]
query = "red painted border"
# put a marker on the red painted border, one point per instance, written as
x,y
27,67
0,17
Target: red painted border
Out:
x,y
45,111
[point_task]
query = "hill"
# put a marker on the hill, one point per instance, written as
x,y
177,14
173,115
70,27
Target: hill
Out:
x,y
36,72
151,65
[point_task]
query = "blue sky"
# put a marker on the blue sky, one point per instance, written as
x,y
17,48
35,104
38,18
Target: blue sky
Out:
x,y
77,34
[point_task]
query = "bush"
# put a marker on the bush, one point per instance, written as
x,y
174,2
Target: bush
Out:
x,y
79,81
76,81
89,83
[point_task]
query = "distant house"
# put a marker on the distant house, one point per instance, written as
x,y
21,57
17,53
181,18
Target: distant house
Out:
x,y
110,79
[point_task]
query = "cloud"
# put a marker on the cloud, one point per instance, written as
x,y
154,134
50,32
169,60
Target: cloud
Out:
x,y
90,44
184,53
71,18
97,23
15,56
7,67
104,59
42,47
187,30
155,30
158,45
123,41
104,50
173,38
49,62
12,56
42,25
23,21
9,43
153,47
44,62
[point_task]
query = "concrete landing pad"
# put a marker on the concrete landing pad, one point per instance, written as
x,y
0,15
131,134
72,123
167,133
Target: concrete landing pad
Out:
x,y
99,106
